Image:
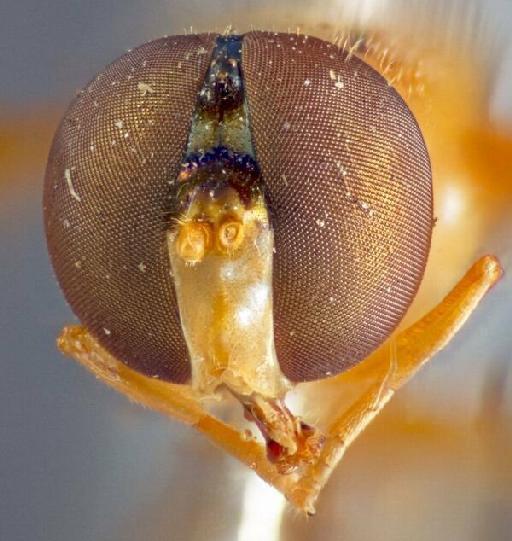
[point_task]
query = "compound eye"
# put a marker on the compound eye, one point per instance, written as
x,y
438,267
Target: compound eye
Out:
x,y
348,175
109,242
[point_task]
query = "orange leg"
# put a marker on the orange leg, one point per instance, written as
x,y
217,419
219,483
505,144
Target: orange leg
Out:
x,y
410,349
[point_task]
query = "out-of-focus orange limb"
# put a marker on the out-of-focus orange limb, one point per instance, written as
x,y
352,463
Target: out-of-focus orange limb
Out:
x,y
386,373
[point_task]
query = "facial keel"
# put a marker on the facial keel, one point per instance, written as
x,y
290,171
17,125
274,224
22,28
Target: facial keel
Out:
x,y
221,258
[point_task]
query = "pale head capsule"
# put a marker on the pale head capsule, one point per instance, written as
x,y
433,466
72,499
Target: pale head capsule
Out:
x,y
278,214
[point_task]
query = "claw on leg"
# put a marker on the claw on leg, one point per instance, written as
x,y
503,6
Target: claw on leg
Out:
x,y
411,349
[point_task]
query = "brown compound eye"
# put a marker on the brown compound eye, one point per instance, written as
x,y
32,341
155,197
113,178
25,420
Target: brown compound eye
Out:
x,y
344,167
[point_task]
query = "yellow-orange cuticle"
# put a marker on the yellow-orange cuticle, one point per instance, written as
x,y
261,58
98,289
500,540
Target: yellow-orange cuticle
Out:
x,y
193,241
230,235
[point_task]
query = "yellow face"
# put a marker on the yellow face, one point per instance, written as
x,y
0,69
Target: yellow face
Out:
x,y
221,254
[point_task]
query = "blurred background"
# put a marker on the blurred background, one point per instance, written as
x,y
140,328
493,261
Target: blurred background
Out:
x,y
79,462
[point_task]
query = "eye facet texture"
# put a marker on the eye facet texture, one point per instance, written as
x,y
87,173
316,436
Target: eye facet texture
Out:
x,y
346,172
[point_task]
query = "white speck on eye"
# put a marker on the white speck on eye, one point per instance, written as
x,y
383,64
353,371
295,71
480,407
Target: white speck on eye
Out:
x,y
320,223
113,143
78,264
142,267
341,169
286,126
338,83
108,332
365,205
145,88
72,192
307,82
119,124
331,299
66,223
92,148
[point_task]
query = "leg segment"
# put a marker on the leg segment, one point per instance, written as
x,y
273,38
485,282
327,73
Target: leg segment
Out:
x,y
410,350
